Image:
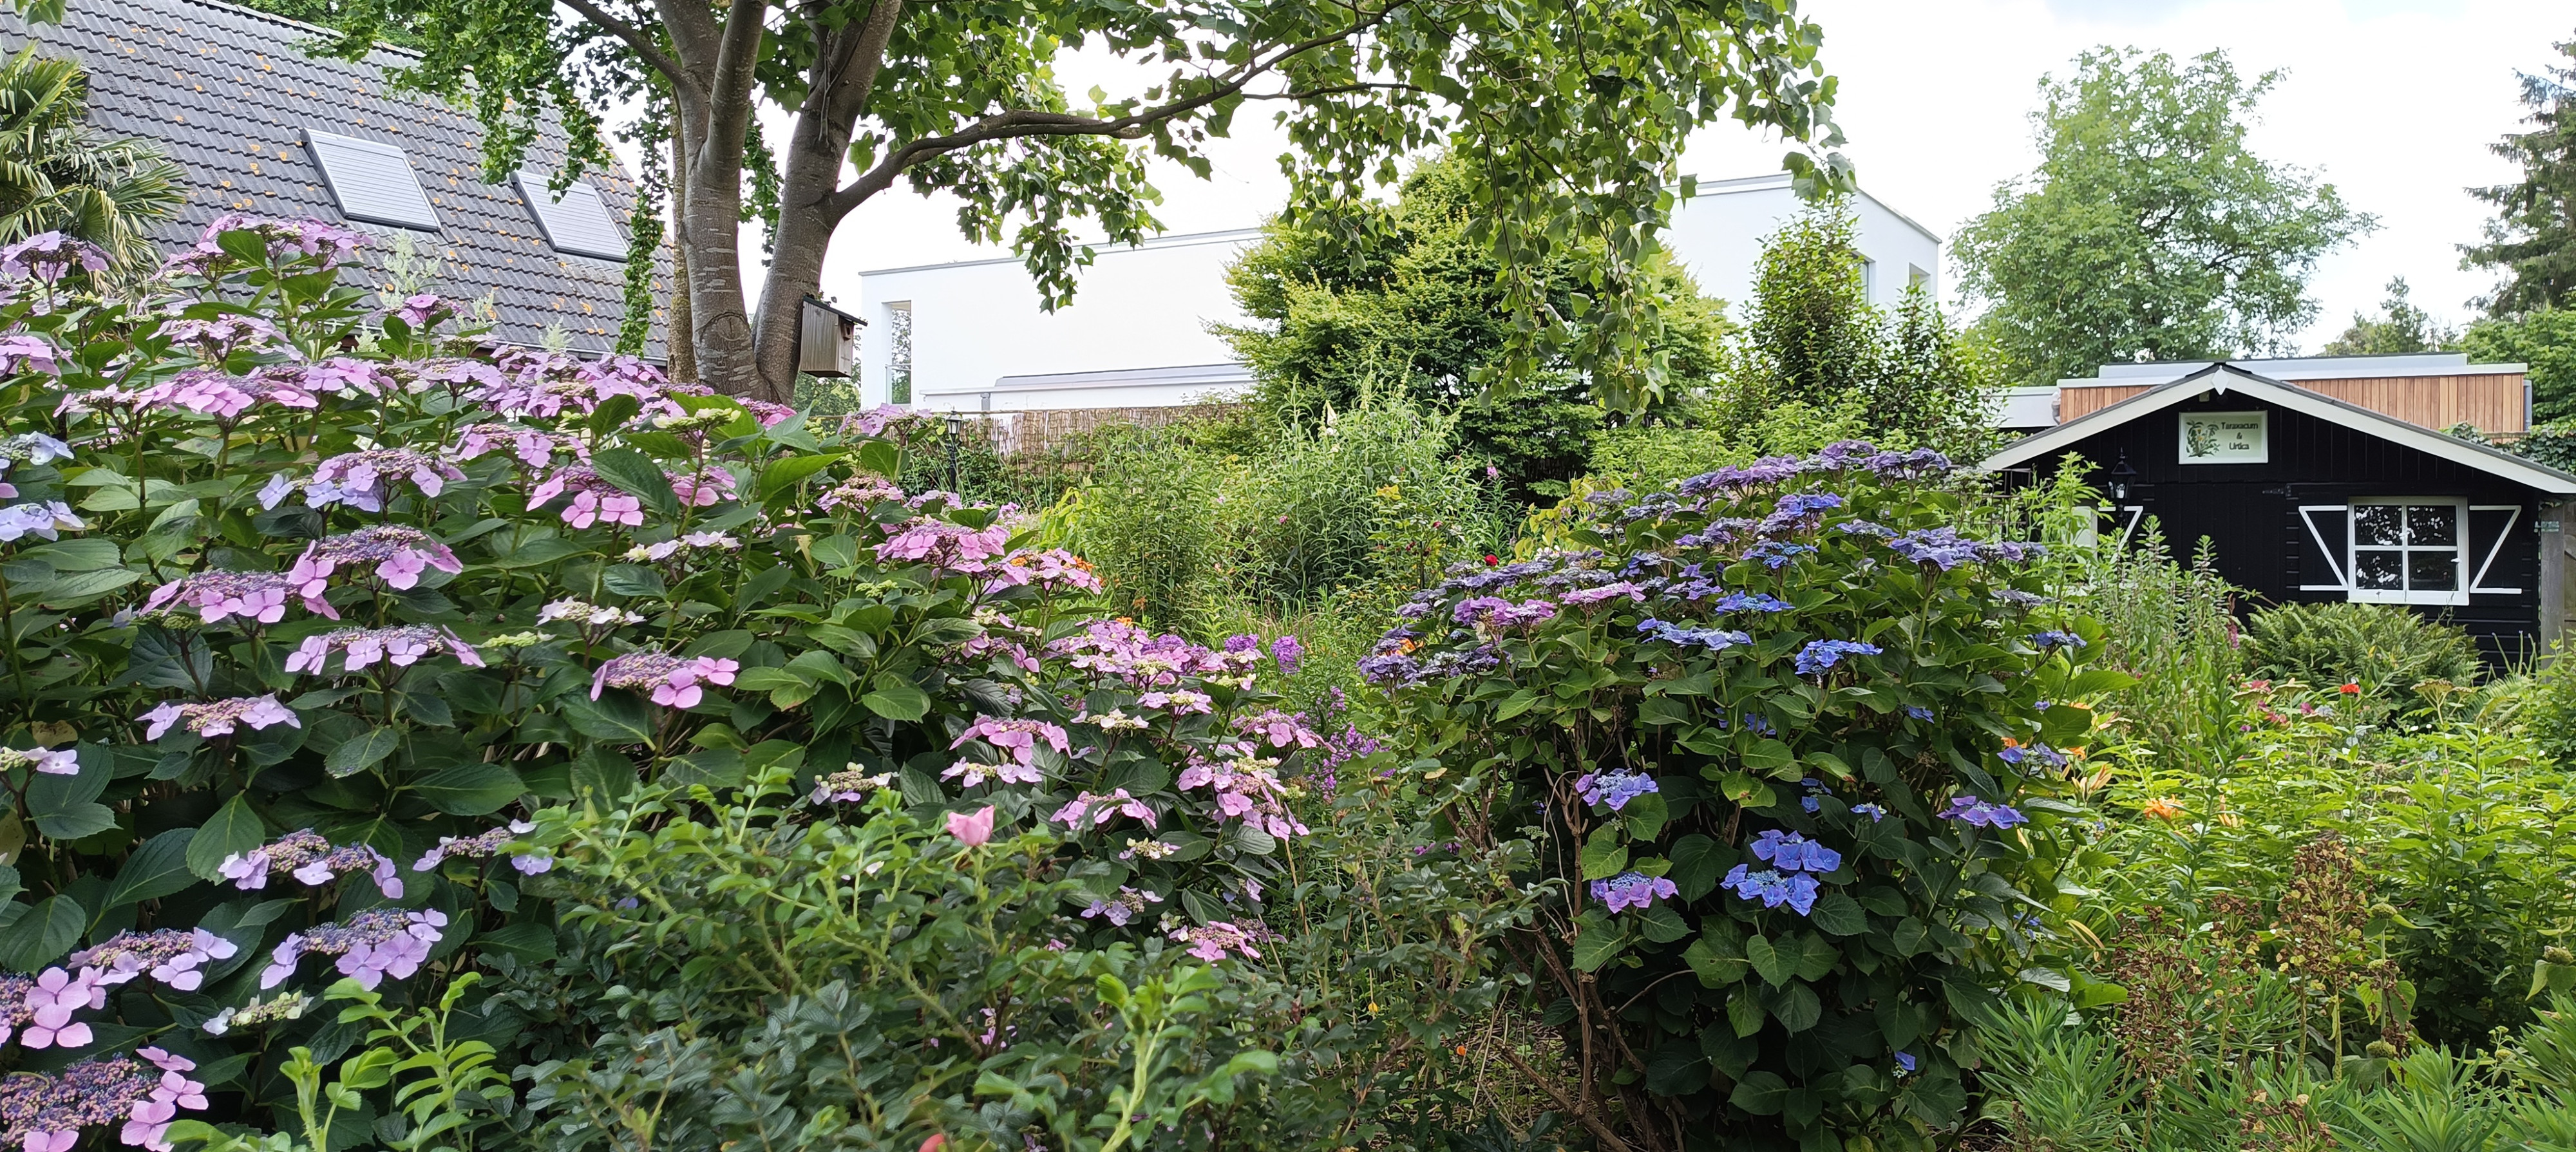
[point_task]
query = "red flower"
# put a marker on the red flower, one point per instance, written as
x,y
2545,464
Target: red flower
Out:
x,y
2350,689
1491,560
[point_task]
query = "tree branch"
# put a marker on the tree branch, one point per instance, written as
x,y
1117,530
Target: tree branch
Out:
x,y
1026,123
636,40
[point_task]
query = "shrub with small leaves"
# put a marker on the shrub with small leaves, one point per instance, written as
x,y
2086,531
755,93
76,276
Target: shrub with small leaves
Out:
x,y
1799,749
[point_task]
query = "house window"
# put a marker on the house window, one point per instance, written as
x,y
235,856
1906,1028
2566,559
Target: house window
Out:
x,y
2409,550
578,222
899,352
371,180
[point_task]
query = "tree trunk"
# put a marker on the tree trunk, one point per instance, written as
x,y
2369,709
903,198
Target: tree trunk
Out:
x,y
806,219
680,339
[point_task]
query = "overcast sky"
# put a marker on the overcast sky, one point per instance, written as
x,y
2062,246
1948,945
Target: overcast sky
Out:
x,y
2393,101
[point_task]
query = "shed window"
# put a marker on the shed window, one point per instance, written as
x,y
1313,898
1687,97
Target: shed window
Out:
x,y
577,223
372,181
2409,550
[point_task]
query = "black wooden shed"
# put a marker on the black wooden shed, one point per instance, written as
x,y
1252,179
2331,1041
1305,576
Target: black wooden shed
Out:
x,y
2307,498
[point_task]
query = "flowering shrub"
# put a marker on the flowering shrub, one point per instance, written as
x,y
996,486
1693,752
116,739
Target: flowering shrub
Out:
x,y
310,601
1796,745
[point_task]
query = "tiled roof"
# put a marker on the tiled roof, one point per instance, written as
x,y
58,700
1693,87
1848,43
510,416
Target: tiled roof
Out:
x,y
228,92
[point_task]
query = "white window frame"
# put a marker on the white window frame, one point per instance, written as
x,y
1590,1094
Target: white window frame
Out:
x,y
2456,597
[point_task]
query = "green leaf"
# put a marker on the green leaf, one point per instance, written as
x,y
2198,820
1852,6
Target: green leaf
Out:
x,y
1695,870
1661,924
1597,945
632,581
618,716
1796,1007
1744,1011
74,821
896,700
1770,755
602,774
73,588
1646,816
469,789
155,870
1515,704
1714,967
42,935
1760,1093
234,828
1604,854
361,753
1767,960
528,940
787,472
637,475
1839,915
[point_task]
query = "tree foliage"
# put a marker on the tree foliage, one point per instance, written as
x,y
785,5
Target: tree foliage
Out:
x,y
2533,236
1812,338
1420,307
57,174
1572,116
2400,327
2546,341
2149,230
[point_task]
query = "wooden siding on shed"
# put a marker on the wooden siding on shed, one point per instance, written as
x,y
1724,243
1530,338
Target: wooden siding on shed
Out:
x,y
2491,401
2250,512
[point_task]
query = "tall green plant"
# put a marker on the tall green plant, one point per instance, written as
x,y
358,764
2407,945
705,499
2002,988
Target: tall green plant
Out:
x,y
57,174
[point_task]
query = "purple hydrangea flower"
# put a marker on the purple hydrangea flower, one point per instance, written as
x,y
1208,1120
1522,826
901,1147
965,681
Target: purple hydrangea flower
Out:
x,y
1288,652
1632,890
1614,789
1983,814
371,945
2053,639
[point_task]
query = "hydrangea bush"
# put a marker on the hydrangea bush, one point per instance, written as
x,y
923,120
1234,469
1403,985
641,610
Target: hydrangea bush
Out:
x,y
1798,746
310,599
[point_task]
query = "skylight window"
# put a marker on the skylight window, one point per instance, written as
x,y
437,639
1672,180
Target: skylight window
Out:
x,y
373,181
578,223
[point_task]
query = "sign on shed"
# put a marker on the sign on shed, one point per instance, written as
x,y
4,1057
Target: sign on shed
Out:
x,y
2226,438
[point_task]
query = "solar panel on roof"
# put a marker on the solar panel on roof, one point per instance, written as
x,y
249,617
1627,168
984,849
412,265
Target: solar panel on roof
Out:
x,y
372,181
578,223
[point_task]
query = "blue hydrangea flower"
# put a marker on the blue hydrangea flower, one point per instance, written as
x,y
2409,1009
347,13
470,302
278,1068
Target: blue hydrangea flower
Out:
x,y
1819,655
2052,640
1713,639
1614,789
1749,602
1791,852
1875,812
1776,555
1918,712
2016,754
1904,1063
1797,890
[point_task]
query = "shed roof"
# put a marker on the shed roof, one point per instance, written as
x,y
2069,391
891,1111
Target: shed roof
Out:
x,y
2224,377
230,93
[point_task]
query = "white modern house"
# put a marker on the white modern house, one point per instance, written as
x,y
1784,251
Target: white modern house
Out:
x,y
970,336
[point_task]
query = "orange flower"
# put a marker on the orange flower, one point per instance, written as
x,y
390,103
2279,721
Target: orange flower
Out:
x,y
2349,688
2161,808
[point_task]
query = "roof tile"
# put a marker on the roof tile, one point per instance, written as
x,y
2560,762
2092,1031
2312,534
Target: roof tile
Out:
x,y
251,91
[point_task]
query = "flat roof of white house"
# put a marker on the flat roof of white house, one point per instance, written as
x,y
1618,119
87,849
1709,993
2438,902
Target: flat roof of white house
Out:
x,y
1170,240
2302,368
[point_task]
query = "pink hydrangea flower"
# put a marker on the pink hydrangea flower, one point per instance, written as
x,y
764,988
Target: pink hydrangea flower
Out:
x,y
672,680
252,596
218,717
945,546
399,647
399,553
50,256
24,353
972,831
1101,809
364,480
702,488
594,499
